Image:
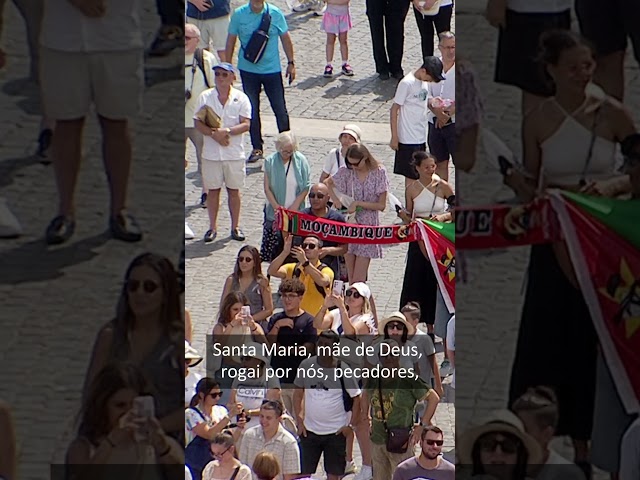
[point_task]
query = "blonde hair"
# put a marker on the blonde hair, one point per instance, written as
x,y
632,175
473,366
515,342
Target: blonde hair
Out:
x,y
286,138
266,466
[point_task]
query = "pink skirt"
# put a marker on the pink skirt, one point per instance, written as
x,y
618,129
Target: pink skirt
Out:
x,y
332,23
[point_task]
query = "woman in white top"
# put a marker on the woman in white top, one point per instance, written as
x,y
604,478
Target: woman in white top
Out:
x,y
426,199
432,15
570,143
335,158
225,465
353,313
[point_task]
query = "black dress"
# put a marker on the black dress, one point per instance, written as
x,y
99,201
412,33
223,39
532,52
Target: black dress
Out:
x,y
420,284
557,344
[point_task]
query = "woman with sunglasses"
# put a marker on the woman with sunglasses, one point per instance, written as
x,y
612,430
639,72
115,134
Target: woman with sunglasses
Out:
x,y
247,277
225,464
148,331
364,180
286,184
204,419
113,432
499,448
251,392
353,313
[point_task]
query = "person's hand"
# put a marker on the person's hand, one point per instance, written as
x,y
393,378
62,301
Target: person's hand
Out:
x,y
221,136
519,184
322,253
237,320
329,181
338,300
346,431
442,217
285,322
241,422
329,301
302,432
352,207
234,408
90,8
394,143
156,434
288,242
291,73
442,119
405,215
600,189
202,5
496,13
123,432
415,436
251,322
299,254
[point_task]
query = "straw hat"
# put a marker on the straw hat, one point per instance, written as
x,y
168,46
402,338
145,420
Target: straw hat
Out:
x,y
499,421
192,354
396,317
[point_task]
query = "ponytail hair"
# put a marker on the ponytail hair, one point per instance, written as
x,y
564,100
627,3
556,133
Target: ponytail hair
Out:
x,y
203,387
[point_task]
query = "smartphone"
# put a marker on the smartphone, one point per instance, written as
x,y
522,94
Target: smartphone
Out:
x,y
338,287
505,165
144,407
398,209
246,311
297,241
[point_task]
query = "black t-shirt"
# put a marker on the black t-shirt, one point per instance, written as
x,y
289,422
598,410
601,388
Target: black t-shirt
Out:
x,y
303,332
330,260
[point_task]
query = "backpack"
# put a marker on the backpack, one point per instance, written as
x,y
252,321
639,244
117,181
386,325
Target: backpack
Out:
x,y
346,398
297,272
199,56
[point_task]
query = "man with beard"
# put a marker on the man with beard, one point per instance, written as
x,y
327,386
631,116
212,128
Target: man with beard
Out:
x,y
429,464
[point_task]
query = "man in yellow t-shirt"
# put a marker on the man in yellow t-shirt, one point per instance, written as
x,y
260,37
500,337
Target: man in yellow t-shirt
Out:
x,y
316,276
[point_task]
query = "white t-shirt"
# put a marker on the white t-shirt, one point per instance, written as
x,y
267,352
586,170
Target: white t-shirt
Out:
x,y
336,322
190,383
559,468
192,419
237,106
446,89
426,349
630,453
412,95
198,86
187,473
67,29
251,393
292,185
333,164
324,411
539,6
451,344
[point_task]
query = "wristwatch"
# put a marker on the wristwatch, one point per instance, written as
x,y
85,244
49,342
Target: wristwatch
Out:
x,y
305,264
291,62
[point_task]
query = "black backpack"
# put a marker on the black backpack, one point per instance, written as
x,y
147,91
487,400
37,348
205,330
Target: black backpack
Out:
x,y
298,271
199,56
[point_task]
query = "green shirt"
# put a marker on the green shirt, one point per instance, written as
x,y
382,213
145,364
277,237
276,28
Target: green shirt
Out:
x,y
400,397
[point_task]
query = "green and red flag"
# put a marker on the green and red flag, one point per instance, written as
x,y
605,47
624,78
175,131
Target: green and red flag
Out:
x,y
603,238
439,242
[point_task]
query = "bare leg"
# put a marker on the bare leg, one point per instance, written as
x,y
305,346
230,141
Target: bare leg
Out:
x,y
350,262
117,155
344,47
442,170
330,47
67,150
213,204
234,207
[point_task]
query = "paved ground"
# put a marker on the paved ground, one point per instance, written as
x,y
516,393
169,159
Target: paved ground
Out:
x,y
488,306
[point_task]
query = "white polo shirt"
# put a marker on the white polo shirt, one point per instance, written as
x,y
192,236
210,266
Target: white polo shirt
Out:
x,y
412,95
67,29
446,89
237,106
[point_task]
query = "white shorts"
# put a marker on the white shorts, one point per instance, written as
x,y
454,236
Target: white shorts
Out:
x,y
228,173
72,81
213,32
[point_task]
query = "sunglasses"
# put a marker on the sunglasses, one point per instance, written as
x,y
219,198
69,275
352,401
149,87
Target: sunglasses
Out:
x,y
395,326
245,259
319,196
353,293
507,445
221,454
309,246
147,285
215,395
352,164
439,443
218,73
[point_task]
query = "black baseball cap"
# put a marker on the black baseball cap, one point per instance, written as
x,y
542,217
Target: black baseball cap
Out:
x,y
434,68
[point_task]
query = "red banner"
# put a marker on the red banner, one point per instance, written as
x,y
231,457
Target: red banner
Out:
x,y
500,226
301,224
608,269
442,255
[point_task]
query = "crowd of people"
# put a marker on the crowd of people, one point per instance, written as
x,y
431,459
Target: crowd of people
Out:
x,y
238,416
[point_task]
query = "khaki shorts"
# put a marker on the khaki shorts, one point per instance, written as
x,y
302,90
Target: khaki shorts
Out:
x,y
228,173
72,81
213,32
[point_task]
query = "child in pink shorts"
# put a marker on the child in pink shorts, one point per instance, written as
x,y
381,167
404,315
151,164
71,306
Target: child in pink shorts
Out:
x,y
336,21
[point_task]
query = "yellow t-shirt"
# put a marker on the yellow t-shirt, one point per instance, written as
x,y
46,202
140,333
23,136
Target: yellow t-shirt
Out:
x,y
312,300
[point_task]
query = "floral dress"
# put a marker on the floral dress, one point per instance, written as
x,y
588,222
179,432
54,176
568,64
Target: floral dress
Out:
x,y
376,183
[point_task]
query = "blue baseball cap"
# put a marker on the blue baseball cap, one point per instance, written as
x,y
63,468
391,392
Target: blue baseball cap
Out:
x,y
225,66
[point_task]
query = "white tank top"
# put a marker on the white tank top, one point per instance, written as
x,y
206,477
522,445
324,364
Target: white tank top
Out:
x,y
427,203
565,154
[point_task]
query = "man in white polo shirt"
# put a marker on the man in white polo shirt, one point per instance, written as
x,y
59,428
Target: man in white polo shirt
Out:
x,y
223,149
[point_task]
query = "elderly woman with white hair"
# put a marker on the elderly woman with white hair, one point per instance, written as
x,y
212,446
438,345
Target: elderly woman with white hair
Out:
x,y
286,184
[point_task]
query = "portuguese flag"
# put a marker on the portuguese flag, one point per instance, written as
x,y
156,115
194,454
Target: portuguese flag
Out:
x,y
603,238
439,241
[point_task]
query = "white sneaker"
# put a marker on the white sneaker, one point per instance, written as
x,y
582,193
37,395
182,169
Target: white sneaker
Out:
x,y
445,368
303,7
365,473
350,467
188,233
319,8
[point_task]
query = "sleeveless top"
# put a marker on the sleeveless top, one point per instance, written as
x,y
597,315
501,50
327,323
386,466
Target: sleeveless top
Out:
x,y
427,203
253,293
565,154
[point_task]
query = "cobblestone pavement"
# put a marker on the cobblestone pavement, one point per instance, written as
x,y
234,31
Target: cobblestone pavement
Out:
x,y
489,305
52,301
